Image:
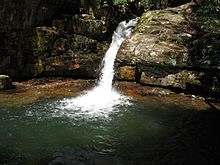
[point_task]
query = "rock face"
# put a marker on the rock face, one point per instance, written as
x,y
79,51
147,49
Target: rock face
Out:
x,y
158,52
5,82
52,38
65,38
65,54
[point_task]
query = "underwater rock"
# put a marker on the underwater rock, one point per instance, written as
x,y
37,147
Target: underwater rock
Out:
x,y
68,156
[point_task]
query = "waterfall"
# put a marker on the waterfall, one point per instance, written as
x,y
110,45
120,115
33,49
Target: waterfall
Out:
x,y
122,32
102,98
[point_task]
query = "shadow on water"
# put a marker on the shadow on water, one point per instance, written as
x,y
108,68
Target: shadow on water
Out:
x,y
190,138
142,133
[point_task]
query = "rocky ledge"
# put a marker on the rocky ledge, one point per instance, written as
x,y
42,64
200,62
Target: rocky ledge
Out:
x,y
34,90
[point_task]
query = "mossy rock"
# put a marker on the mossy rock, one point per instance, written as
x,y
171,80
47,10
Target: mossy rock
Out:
x,y
127,73
160,38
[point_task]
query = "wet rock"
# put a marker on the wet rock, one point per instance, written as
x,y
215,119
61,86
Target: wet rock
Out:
x,y
5,82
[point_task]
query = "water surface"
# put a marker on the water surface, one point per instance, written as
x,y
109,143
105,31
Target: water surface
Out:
x,y
147,131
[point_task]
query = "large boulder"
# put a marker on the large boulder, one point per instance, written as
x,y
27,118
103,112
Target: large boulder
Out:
x,y
158,52
159,38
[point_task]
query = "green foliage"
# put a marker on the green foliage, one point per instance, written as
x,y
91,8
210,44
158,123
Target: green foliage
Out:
x,y
208,17
121,2
146,4
152,4
210,52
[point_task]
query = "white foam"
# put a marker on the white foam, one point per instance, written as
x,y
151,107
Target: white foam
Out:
x,y
95,103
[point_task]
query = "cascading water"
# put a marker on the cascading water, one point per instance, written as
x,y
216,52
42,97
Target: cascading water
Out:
x,y
123,31
100,100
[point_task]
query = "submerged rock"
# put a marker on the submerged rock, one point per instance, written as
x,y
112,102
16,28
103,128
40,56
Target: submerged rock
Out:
x,y
68,156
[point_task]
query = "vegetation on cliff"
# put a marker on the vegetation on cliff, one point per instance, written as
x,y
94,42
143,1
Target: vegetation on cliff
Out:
x,y
206,51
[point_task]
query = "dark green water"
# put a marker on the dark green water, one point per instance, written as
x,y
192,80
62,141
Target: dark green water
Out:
x,y
140,133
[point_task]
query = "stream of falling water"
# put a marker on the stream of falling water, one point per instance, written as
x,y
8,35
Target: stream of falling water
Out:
x,y
101,99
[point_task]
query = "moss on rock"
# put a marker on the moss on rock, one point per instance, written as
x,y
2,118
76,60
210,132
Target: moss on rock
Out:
x,y
126,73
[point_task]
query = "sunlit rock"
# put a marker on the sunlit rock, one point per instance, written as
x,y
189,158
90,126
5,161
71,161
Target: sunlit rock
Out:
x,y
160,38
160,53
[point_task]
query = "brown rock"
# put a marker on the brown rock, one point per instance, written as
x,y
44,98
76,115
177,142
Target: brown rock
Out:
x,y
126,73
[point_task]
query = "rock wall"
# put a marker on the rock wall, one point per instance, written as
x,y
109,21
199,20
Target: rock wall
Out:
x,y
55,37
52,37
158,53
